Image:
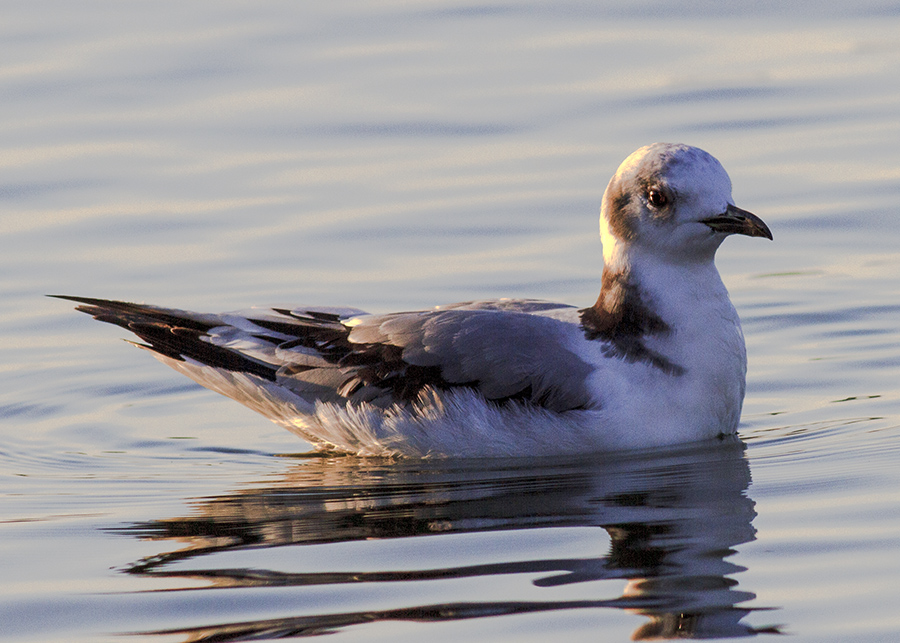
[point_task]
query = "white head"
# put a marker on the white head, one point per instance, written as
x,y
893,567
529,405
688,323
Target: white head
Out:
x,y
674,202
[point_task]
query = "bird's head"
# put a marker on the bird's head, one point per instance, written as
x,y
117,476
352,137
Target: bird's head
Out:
x,y
674,202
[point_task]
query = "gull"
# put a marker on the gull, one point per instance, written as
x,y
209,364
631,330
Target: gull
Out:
x,y
658,360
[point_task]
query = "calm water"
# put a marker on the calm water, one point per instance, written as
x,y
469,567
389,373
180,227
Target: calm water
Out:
x,y
399,154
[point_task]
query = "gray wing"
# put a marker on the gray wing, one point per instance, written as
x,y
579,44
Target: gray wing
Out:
x,y
498,348
504,355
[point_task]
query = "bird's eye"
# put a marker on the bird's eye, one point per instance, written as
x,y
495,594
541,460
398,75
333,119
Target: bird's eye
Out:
x,y
656,198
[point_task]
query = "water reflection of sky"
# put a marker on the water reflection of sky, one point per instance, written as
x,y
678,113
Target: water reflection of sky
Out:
x,y
671,524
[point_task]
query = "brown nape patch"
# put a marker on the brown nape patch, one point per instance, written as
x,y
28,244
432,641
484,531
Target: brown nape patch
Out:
x,y
621,319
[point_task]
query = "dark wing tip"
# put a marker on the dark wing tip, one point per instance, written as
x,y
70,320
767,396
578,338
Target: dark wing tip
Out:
x,y
172,333
88,300
93,306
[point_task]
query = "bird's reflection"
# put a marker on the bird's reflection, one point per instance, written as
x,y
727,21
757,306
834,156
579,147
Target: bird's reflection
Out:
x,y
673,520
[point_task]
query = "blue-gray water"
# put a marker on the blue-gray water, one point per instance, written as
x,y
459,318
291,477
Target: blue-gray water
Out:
x,y
394,155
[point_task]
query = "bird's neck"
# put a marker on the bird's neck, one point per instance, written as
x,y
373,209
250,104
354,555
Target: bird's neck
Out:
x,y
644,281
624,307
644,299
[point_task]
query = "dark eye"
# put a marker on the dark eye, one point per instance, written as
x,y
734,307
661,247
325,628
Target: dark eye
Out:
x,y
656,198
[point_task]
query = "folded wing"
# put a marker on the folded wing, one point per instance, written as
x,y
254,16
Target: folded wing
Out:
x,y
501,349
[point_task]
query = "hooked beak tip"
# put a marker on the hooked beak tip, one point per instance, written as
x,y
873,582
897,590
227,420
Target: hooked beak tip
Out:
x,y
737,221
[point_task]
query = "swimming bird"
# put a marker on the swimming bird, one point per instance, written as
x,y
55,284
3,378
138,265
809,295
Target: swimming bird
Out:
x,y
659,358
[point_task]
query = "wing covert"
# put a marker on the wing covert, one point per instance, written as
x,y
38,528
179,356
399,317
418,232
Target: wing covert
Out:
x,y
504,355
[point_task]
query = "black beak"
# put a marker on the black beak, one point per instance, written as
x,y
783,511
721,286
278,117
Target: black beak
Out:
x,y
737,221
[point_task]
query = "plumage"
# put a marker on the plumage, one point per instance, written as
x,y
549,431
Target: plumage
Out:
x,y
658,359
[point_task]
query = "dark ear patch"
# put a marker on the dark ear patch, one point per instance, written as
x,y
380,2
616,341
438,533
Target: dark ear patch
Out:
x,y
617,214
622,200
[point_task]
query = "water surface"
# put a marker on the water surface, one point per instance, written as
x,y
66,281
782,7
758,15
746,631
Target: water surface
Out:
x,y
398,155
